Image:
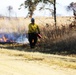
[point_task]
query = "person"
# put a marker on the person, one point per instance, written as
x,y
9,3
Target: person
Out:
x,y
33,31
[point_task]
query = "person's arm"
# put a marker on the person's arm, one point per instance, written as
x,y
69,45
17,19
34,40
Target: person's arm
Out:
x,y
38,30
39,35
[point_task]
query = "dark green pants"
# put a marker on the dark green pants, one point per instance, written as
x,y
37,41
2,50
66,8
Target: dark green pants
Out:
x,y
32,37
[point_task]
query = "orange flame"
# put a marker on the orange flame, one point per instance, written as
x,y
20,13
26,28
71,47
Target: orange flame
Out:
x,y
4,38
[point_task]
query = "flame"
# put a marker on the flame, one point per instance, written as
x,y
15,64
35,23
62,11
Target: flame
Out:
x,y
1,39
11,38
4,38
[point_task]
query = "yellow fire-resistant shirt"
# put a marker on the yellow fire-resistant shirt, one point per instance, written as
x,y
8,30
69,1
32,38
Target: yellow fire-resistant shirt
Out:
x,y
33,28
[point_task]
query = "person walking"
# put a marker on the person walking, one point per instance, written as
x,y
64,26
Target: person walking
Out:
x,y
33,32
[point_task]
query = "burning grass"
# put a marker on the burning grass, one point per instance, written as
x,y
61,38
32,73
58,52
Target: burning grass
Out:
x,y
13,33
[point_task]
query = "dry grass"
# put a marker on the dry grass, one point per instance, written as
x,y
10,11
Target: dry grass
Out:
x,y
56,39
21,23
60,41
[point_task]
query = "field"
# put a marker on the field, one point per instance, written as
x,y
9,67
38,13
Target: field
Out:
x,y
60,40
55,52
18,24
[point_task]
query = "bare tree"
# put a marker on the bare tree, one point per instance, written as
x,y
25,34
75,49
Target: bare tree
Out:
x,y
55,12
31,5
10,8
72,7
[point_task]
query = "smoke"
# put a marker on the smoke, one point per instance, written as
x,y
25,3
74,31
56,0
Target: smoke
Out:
x,y
22,39
14,30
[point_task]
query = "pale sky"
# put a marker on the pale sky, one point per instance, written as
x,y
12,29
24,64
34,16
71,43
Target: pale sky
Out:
x,y
61,4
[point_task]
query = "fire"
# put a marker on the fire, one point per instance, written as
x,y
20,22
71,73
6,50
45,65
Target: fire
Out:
x,y
3,39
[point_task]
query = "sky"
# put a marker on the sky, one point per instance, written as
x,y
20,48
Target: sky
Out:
x,y
61,8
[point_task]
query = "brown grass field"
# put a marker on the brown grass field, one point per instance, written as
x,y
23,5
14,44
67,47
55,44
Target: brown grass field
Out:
x,y
54,54
57,41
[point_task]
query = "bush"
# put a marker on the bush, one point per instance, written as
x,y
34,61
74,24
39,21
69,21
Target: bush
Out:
x,y
60,44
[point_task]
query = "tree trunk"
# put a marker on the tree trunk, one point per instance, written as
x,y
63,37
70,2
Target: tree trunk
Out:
x,y
74,13
55,12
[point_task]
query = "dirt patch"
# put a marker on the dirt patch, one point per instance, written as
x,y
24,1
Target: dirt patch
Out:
x,y
16,65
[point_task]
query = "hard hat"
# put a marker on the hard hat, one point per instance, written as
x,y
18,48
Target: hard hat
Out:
x,y
32,19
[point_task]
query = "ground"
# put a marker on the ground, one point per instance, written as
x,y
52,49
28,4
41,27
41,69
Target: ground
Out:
x,y
14,62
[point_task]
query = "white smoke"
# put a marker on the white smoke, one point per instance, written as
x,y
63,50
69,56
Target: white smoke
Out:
x,y
22,39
